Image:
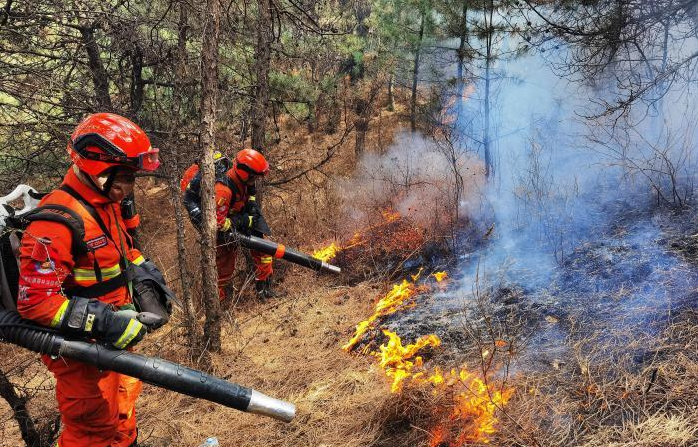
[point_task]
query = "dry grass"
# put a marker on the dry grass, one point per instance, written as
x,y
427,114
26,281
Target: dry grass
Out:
x,y
289,348
606,396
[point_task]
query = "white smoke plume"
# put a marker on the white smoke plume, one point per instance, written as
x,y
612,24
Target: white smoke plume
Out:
x,y
415,178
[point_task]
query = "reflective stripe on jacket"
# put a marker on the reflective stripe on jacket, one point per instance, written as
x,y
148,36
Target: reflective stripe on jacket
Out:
x,y
47,267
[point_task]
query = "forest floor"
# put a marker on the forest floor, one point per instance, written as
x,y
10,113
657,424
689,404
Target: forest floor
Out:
x,y
290,347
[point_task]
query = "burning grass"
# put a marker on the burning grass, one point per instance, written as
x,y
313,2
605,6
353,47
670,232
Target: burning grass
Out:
x,y
470,416
392,302
389,248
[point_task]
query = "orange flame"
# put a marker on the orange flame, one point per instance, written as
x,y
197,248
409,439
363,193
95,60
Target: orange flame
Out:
x,y
475,401
472,418
389,215
440,276
416,276
390,303
394,357
327,253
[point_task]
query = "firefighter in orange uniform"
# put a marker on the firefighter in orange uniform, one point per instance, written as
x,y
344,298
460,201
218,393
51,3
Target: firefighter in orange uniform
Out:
x,y
236,208
89,294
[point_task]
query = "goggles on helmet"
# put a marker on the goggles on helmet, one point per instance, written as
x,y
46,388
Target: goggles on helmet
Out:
x,y
249,170
147,161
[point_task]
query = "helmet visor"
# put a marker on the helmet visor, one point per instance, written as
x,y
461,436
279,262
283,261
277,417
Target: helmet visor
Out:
x,y
150,160
147,161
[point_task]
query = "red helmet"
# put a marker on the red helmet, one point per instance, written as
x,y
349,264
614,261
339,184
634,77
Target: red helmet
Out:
x,y
250,162
105,140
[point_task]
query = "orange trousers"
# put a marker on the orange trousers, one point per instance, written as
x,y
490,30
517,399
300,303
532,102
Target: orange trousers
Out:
x,y
225,263
97,407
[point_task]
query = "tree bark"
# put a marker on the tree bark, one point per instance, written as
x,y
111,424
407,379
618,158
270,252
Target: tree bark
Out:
x,y
391,94
260,95
461,61
137,84
190,320
209,94
415,75
100,78
489,11
362,109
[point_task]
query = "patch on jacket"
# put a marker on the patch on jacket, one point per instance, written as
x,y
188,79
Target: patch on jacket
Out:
x,y
97,242
45,267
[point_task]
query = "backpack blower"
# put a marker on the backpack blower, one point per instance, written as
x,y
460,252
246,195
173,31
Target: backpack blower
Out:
x,y
158,372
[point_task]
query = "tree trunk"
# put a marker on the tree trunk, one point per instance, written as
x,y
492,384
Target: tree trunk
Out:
x,y
260,96
415,75
488,65
362,11
391,95
137,84
100,79
209,93
190,319
334,113
362,109
461,61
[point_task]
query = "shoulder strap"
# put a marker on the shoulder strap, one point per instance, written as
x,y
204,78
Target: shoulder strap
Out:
x,y
221,177
234,187
88,207
100,288
93,212
119,280
64,216
195,183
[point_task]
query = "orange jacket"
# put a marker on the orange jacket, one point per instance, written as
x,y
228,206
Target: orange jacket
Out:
x,y
188,175
47,268
230,198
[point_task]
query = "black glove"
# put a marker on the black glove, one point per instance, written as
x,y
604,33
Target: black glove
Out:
x,y
260,227
147,300
95,319
244,222
252,207
151,294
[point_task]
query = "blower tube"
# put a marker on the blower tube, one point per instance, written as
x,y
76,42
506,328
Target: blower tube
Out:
x,y
162,373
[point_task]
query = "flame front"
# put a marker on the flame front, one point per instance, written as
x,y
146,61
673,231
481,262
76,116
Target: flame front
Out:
x,y
327,253
394,357
390,303
473,416
475,400
440,276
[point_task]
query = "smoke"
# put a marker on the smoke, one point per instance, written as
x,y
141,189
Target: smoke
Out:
x,y
415,178
577,207
561,179
574,212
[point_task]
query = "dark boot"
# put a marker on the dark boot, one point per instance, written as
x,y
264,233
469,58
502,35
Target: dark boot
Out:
x,y
265,290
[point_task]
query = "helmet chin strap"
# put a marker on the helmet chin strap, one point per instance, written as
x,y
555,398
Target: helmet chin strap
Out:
x,y
104,190
109,182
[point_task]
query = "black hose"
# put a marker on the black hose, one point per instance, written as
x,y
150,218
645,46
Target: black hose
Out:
x,y
158,372
16,330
